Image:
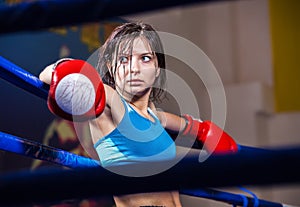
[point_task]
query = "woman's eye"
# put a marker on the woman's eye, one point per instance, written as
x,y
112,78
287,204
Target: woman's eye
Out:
x,y
123,60
146,58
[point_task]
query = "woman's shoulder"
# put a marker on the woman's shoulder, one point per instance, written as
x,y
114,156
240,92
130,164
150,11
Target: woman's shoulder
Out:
x,y
112,97
114,103
158,113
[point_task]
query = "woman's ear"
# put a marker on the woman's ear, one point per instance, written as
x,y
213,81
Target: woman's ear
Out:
x,y
157,72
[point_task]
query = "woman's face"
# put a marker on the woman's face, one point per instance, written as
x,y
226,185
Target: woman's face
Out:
x,y
136,69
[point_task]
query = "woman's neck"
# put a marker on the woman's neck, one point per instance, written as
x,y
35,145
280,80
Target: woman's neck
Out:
x,y
139,102
141,105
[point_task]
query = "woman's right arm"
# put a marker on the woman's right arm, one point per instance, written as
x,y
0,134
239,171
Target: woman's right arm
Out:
x,y
112,98
76,90
46,77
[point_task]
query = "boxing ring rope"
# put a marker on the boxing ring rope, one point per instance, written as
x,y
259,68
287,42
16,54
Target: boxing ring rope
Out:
x,y
22,79
230,198
35,186
35,15
273,166
33,149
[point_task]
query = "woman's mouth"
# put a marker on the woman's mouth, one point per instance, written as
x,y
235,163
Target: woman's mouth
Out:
x,y
134,82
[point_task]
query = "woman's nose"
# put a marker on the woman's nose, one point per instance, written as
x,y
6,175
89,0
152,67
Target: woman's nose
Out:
x,y
135,66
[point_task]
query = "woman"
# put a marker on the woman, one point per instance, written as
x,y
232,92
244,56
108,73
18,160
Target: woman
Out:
x,y
130,130
127,128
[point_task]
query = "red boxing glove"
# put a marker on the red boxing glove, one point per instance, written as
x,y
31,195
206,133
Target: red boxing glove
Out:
x,y
76,91
214,139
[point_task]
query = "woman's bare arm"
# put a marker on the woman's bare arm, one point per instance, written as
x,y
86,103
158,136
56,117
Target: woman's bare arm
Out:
x,y
171,122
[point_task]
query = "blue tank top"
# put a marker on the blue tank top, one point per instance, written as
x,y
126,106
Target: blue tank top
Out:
x,y
136,139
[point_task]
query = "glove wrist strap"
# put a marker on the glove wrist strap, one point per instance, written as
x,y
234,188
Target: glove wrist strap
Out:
x,y
60,61
187,127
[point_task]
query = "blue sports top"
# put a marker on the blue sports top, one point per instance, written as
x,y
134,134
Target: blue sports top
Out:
x,y
135,139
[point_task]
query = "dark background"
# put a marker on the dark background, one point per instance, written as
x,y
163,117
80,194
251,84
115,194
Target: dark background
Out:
x,y
23,114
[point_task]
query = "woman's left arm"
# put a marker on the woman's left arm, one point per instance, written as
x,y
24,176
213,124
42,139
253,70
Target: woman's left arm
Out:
x,y
171,122
216,140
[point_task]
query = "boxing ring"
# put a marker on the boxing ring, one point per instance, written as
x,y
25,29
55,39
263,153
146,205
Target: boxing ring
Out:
x,y
272,165
238,169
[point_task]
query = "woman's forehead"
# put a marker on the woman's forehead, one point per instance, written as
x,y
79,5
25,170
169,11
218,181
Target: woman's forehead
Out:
x,y
139,45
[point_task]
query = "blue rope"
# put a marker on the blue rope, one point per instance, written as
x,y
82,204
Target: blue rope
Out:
x,y
23,79
35,150
230,198
256,200
245,200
